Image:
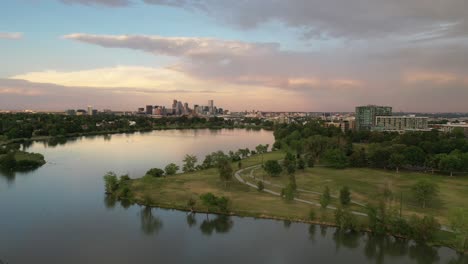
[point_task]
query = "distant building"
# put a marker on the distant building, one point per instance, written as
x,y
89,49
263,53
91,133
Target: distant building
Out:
x,y
366,116
70,112
80,112
448,128
401,123
141,110
211,106
90,110
94,112
149,110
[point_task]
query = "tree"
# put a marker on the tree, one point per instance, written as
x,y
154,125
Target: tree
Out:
x,y
450,163
189,163
396,161
358,158
191,203
273,168
261,149
325,198
301,164
289,160
414,156
424,191
225,170
8,161
288,192
111,182
459,223
155,172
171,169
345,196
336,158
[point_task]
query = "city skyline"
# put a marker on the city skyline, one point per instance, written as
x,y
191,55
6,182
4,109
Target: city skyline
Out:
x,y
262,55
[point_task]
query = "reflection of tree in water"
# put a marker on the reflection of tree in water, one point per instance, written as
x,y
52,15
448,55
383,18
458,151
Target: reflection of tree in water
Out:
x,y
150,224
312,232
191,220
107,137
221,224
287,224
348,239
323,230
459,259
125,203
9,175
423,254
110,201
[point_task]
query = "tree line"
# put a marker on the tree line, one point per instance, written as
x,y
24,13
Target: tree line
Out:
x,y
428,151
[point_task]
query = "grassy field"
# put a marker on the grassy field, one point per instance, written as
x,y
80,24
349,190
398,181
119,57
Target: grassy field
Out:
x,y
367,185
175,191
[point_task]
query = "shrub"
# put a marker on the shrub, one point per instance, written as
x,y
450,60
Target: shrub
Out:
x,y
155,172
260,186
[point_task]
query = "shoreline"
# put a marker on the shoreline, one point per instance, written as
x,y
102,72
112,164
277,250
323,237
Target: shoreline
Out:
x,y
293,220
104,133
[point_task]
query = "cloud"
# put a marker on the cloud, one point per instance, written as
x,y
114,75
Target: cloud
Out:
x,y
109,3
11,35
351,19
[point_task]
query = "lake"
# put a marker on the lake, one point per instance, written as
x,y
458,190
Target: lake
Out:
x,y
59,213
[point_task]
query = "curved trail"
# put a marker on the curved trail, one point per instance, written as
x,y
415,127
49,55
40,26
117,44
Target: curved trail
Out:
x,y
239,178
254,167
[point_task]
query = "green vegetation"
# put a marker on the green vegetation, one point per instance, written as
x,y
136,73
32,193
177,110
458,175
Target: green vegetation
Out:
x,y
13,159
273,168
155,172
33,126
171,169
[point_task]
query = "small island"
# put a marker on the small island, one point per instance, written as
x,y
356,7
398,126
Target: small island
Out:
x,y
14,159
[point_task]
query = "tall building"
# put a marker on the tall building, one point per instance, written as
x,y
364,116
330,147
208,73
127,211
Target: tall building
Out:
x,y
400,123
90,110
211,106
366,116
149,109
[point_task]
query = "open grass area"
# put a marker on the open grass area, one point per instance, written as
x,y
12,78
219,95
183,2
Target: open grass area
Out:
x,y
367,185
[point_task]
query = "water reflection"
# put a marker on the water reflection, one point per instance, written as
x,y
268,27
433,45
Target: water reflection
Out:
x,y
220,224
191,220
10,175
150,224
110,201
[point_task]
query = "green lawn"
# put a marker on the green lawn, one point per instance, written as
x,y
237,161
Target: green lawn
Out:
x,y
367,185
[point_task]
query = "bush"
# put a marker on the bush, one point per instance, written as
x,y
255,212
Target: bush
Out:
x,y
312,214
111,182
423,229
212,202
345,196
345,219
260,186
288,192
155,172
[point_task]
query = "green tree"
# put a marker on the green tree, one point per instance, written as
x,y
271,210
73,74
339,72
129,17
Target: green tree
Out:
x,y
262,149
273,168
111,182
425,191
189,163
414,156
155,172
288,192
301,164
450,163
325,198
225,170
345,196
171,169
336,158
358,158
8,161
459,223
396,161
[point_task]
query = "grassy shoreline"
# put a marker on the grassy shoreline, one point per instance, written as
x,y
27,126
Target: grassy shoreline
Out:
x,y
173,193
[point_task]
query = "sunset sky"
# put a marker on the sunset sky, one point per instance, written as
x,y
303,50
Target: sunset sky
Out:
x,y
272,55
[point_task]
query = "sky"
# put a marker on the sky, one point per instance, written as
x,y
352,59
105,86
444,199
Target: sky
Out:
x,y
270,55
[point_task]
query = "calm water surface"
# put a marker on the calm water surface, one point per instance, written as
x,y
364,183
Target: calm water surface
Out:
x,y
59,214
